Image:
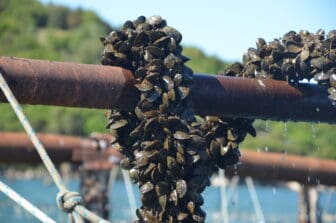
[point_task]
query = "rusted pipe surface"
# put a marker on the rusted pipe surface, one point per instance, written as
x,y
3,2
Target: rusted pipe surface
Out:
x,y
265,166
17,147
66,84
96,86
263,99
268,166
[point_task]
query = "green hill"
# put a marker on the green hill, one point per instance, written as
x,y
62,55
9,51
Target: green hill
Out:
x,y
33,30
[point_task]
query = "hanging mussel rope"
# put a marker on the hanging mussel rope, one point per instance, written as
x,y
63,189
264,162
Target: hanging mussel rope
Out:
x,y
295,57
168,153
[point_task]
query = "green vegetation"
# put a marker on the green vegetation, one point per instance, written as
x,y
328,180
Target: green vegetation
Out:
x,y
33,30
202,63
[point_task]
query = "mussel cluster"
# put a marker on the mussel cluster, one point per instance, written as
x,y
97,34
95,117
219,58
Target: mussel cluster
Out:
x,y
223,135
167,151
163,150
294,57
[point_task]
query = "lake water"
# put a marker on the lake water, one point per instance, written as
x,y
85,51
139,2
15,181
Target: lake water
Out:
x,y
278,204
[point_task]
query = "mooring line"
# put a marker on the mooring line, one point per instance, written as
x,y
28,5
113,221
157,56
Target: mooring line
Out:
x,y
80,209
25,204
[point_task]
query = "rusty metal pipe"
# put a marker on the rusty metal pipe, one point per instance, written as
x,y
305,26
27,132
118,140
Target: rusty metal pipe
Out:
x,y
269,166
96,86
17,148
266,166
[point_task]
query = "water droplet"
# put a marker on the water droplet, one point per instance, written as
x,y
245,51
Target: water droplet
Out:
x,y
266,148
317,181
308,179
274,190
313,131
285,134
318,109
266,126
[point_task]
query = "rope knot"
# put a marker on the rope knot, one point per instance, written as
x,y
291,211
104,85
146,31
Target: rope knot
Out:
x,y
67,200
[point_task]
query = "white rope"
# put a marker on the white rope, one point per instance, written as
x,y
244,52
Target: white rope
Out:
x,y
224,203
25,204
130,193
255,200
232,187
113,177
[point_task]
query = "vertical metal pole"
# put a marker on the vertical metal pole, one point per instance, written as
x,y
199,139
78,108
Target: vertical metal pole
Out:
x,y
309,211
94,190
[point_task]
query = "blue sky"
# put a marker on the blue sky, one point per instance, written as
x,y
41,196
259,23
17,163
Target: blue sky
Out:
x,y
222,28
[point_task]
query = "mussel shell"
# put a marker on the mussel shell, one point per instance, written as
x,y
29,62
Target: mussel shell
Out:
x,y
183,92
191,207
147,187
149,145
170,31
332,78
182,216
173,196
141,39
134,175
181,188
167,83
180,158
117,124
140,214
179,135
199,215
155,35
171,162
154,52
293,46
147,198
321,77
156,21
163,200
162,42
171,95
154,94
126,163
144,86
162,188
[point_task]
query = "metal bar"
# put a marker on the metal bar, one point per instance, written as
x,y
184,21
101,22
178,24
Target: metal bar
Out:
x,y
270,166
96,86
262,99
65,84
16,147
265,166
